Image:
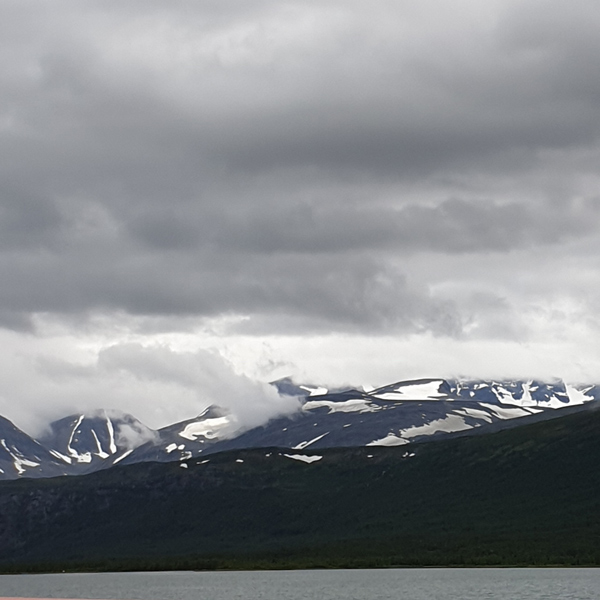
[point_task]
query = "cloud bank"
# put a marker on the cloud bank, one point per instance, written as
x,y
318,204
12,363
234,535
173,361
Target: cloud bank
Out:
x,y
157,385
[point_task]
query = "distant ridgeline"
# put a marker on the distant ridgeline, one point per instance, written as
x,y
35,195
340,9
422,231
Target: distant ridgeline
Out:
x,y
392,415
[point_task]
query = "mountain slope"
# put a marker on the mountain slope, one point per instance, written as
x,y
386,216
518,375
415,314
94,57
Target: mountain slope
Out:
x,y
530,495
83,443
182,440
22,456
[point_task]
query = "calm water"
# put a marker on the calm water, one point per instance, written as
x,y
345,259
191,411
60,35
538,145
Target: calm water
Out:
x,y
399,584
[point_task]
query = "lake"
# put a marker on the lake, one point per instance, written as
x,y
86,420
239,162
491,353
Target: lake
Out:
x,y
367,584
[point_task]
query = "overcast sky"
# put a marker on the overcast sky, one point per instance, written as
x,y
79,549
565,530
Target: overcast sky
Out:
x,y
200,197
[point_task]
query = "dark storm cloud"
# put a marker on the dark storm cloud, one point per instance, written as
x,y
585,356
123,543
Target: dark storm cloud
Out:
x,y
281,160
335,291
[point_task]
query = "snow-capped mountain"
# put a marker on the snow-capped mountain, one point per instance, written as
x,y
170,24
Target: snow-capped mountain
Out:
x,y
85,442
188,438
392,415
22,456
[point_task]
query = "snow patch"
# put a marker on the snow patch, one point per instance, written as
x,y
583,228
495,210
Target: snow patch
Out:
x,y
508,413
475,413
211,429
304,458
502,394
111,436
315,391
391,439
348,406
127,453
505,396
100,452
85,457
303,445
415,391
449,424
577,396
60,456
19,461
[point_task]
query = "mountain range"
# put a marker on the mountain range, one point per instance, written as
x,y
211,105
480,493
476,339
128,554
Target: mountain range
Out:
x,y
526,495
391,415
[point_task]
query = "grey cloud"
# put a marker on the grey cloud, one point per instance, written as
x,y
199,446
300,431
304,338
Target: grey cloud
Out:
x,y
442,111
358,292
132,435
212,159
320,261
26,221
428,120
328,264
455,225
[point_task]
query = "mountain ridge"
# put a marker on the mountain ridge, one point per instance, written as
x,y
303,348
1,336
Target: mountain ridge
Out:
x,y
390,415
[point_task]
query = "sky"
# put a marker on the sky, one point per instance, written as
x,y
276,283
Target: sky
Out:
x,y
197,198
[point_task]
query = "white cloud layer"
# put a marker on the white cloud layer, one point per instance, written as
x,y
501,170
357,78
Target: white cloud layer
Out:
x,y
154,383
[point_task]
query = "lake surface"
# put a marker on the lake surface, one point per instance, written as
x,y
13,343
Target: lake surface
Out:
x,y
380,584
